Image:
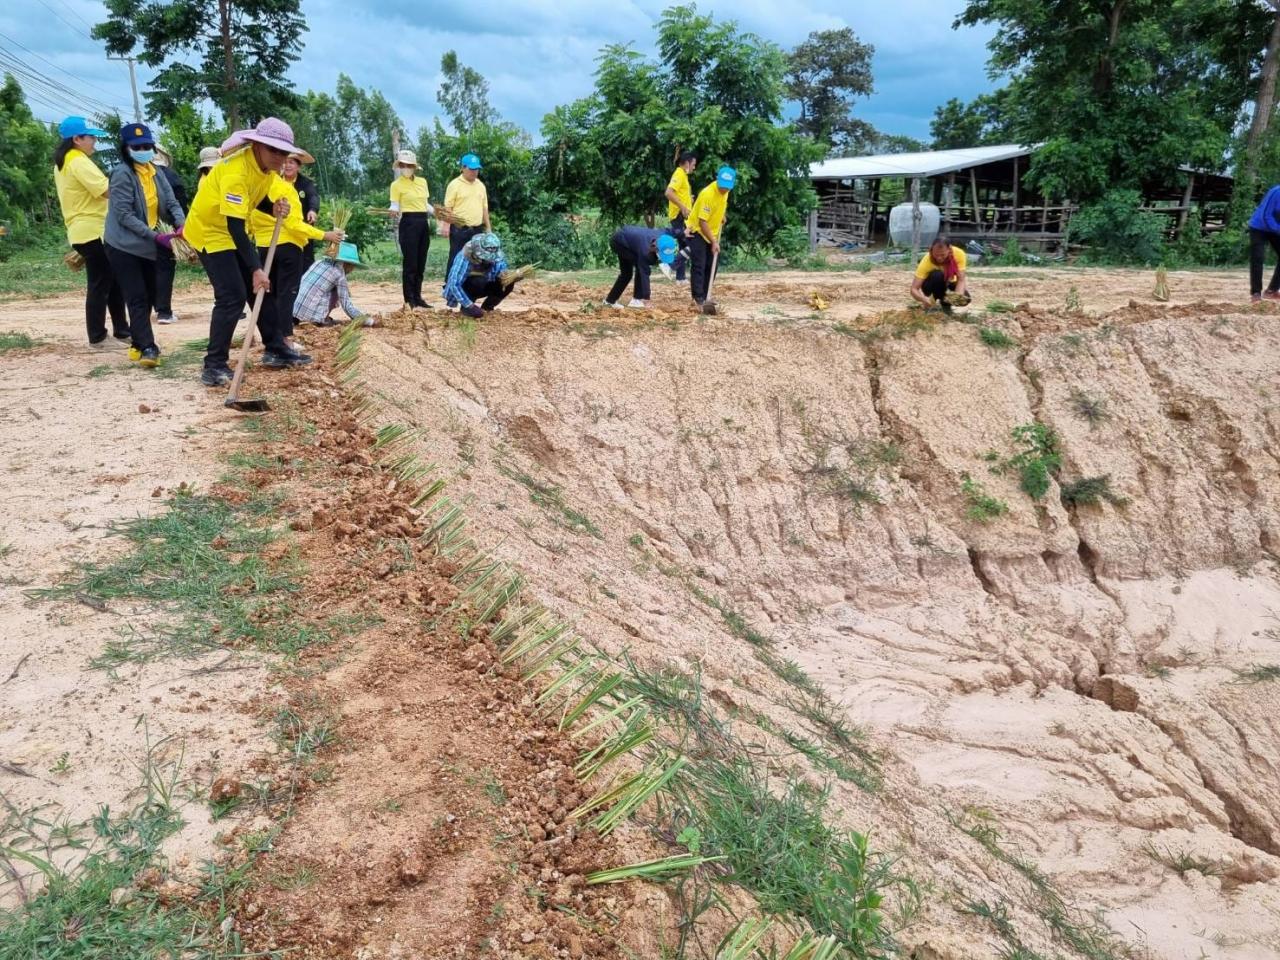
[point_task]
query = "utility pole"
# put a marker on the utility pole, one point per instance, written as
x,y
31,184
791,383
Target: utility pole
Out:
x,y
133,82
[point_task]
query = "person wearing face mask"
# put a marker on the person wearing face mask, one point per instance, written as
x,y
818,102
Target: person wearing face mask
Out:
x,y
139,196
410,205
82,195
295,234
216,228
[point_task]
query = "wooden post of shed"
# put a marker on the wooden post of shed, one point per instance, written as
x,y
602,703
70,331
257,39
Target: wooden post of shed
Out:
x,y
951,198
1015,195
813,230
915,217
973,182
1186,205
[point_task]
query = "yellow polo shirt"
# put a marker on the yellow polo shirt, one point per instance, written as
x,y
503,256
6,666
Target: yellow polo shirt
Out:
x,y
82,194
411,194
147,177
926,265
231,189
294,230
679,182
712,205
466,201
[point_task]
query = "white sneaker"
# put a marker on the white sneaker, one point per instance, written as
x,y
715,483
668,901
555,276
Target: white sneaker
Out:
x,y
166,318
666,270
637,305
615,306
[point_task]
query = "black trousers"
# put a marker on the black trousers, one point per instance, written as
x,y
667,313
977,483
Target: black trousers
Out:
x,y
627,268
286,277
137,279
103,295
458,237
935,285
677,229
700,270
308,255
1259,240
232,282
487,293
415,240
166,265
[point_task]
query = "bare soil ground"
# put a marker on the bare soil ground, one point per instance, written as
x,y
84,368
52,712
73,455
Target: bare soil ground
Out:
x,y
1061,691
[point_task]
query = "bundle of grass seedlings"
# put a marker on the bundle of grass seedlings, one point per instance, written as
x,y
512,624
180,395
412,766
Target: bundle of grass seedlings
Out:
x,y
340,213
73,260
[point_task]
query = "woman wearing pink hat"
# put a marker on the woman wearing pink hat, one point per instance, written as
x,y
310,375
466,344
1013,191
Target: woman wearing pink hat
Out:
x,y
217,228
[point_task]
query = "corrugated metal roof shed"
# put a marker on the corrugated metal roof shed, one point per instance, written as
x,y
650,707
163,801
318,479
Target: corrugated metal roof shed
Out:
x,y
929,164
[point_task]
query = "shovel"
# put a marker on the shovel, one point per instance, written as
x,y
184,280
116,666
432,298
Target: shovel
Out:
x,y
709,305
233,400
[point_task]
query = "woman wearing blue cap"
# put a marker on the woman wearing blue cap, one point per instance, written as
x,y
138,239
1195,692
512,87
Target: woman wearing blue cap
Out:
x,y
467,202
638,248
82,194
139,196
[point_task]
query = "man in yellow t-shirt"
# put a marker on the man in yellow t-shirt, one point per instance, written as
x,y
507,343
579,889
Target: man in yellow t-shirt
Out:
x,y
217,226
679,196
709,212
82,194
467,201
940,276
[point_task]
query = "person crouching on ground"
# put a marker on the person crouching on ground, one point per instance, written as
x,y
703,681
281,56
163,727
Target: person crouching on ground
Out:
x,y
139,195
476,273
1264,231
324,286
710,210
217,229
940,277
409,204
295,235
638,248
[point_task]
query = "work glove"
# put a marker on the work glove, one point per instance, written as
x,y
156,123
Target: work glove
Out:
x,y
473,311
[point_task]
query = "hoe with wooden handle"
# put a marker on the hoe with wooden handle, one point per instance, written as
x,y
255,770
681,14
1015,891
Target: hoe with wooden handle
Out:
x,y
233,400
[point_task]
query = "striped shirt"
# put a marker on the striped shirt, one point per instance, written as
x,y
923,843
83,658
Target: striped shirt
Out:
x,y
323,287
463,268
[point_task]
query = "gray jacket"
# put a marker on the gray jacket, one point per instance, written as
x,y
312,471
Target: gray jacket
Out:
x,y
127,228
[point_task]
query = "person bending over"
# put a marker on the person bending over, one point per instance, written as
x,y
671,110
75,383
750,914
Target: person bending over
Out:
x,y
324,286
638,248
1264,231
940,277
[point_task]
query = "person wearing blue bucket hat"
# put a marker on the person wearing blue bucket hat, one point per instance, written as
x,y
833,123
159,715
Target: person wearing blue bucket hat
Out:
x,y
638,248
324,286
140,198
466,204
82,195
710,210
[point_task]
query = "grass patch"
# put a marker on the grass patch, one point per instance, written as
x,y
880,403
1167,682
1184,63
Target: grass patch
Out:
x,y
999,306
996,339
1259,673
551,499
1182,862
1037,462
182,359
12,340
1090,491
101,370
1093,410
980,505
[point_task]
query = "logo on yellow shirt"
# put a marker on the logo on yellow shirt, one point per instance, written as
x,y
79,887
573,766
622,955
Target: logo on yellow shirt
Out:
x,y
234,198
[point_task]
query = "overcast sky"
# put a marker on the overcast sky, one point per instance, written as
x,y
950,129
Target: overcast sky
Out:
x,y
535,54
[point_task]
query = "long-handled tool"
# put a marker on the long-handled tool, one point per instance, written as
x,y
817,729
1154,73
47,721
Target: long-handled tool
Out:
x,y
233,398
709,305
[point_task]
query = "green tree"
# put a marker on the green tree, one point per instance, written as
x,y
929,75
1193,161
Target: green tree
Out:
x,y
26,164
824,74
980,122
1121,92
464,95
184,134
241,50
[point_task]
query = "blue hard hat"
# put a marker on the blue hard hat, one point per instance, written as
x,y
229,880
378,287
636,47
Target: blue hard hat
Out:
x,y
134,134
79,127
667,247
470,161
726,177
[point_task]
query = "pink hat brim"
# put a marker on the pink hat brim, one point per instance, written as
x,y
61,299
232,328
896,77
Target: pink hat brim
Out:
x,y
284,146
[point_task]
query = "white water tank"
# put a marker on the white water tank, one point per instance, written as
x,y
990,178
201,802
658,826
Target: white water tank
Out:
x,y
900,224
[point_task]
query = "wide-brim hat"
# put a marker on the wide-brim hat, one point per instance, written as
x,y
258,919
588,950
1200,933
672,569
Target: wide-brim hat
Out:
x,y
163,157
209,157
301,156
406,158
347,253
271,132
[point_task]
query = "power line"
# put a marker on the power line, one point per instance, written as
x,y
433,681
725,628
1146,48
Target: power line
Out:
x,y
49,85
56,67
71,10
64,20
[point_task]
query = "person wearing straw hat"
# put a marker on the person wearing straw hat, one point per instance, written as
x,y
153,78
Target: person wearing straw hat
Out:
x,y
139,196
82,195
409,204
638,248
477,272
166,263
467,201
324,286
295,235
217,227
710,210
209,158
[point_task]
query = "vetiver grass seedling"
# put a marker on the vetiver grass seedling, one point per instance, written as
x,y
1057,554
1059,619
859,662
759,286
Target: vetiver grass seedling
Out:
x,y
1259,673
1038,461
982,507
999,306
12,340
1093,410
996,339
1090,491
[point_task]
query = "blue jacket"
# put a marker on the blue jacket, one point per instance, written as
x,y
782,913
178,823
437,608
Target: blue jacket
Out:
x,y
126,227
1267,216
635,244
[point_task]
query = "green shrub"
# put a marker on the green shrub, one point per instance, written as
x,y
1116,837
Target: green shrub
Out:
x,y
1116,230
791,243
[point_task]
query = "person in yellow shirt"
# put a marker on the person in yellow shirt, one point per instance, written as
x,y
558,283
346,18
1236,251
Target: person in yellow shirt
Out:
x,y
295,234
940,276
410,204
467,201
710,210
140,198
82,194
679,196
217,227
